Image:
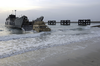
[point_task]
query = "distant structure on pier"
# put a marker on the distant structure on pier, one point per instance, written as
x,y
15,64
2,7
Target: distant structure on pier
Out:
x,y
52,22
84,22
65,22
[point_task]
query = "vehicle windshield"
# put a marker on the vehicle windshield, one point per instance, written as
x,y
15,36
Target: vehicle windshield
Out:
x,y
43,26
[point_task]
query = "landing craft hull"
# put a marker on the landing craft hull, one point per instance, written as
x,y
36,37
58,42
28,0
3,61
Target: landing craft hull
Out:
x,y
12,26
27,27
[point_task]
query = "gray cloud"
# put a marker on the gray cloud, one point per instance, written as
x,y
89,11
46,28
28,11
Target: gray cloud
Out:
x,y
66,12
62,9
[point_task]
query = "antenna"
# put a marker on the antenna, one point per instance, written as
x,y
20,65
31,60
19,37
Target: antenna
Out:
x,y
12,11
15,12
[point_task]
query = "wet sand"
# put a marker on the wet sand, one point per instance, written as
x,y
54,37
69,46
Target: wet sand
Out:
x,y
89,55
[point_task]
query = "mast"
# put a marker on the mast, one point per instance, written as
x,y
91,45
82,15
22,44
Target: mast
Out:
x,y
15,12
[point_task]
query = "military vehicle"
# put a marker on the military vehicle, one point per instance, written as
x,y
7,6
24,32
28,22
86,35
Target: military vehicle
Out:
x,y
40,26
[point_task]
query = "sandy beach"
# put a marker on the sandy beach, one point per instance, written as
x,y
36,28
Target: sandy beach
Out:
x,y
87,55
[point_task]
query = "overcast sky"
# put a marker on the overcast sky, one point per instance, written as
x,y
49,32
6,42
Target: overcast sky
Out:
x,y
52,9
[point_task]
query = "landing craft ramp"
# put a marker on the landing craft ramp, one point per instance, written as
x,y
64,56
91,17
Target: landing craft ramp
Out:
x,y
27,26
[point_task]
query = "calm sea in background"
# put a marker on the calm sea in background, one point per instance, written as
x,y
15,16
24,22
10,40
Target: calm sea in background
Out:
x,y
16,41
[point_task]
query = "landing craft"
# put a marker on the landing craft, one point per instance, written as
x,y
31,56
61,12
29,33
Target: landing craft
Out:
x,y
23,23
18,22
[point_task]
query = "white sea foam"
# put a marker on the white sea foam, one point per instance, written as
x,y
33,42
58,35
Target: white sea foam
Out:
x,y
16,44
15,36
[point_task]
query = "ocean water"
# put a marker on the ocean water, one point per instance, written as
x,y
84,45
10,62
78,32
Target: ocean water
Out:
x,y
15,41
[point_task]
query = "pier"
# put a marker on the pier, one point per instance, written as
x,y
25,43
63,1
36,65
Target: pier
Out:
x,y
68,22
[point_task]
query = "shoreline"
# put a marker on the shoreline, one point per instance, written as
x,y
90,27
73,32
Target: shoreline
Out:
x,y
87,55
90,56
